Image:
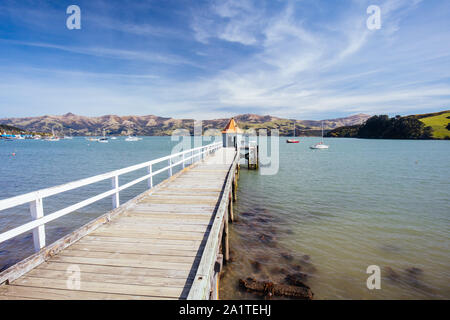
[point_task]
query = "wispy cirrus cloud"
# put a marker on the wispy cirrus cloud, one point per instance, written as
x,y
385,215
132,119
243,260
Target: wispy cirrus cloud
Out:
x,y
114,53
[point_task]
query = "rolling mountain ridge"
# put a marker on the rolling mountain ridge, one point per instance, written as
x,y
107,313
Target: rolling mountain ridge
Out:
x,y
149,125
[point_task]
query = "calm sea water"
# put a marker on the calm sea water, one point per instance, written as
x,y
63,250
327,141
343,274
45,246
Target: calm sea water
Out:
x,y
327,213
332,213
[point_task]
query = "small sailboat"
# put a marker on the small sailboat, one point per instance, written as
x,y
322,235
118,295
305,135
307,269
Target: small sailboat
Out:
x,y
292,140
53,138
103,139
320,145
70,136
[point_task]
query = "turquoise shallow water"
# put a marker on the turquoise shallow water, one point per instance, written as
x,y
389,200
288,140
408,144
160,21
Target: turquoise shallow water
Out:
x,y
329,213
332,213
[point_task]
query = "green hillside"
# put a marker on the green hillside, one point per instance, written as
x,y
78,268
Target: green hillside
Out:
x,y
10,129
439,122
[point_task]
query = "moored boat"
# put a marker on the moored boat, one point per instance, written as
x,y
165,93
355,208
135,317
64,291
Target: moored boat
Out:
x,y
320,145
130,138
293,140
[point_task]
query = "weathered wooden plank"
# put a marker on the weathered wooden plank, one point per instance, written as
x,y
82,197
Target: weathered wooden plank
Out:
x,y
132,263
112,278
3,297
138,241
180,201
175,235
190,193
105,287
179,188
167,214
138,258
132,248
155,228
175,208
158,219
57,264
62,294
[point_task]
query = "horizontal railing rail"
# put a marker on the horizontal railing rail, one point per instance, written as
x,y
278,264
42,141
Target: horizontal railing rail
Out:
x,y
35,199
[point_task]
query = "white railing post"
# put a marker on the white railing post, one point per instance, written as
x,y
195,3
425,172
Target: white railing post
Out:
x,y
115,196
170,167
183,160
150,180
37,212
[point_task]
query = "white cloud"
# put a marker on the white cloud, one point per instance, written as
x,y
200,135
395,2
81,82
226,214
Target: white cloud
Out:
x,y
108,52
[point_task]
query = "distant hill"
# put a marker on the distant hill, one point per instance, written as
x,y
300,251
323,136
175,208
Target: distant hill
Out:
x,y
439,122
6,128
423,126
153,125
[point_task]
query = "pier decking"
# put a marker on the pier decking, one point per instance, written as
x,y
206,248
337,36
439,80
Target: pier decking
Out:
x,y
167,243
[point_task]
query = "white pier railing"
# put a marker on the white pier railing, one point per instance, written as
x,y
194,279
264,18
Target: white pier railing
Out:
x,y
35,199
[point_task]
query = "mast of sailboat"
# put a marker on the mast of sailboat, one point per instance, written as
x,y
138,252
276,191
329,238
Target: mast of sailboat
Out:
x,y
322,131
294,128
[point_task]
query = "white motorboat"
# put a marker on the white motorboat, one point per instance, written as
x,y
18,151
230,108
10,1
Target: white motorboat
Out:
x,y
103,139
130,138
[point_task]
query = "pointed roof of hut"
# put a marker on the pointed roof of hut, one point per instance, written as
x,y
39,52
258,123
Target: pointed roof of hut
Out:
x,y
232,127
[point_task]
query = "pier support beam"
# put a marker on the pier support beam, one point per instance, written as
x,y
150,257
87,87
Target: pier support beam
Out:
x,y
253,154
234,189
216,277
225,241
230,209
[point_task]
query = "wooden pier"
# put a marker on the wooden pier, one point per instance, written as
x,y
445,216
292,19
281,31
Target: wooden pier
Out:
x,y
168,243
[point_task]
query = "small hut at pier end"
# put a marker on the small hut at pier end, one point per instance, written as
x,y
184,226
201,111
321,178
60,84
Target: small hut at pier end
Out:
x,y
231,135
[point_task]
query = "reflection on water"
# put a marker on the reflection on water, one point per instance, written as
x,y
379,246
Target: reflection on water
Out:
x,y
328,215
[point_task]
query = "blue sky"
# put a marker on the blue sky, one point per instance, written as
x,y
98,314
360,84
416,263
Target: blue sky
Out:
x,y
304,59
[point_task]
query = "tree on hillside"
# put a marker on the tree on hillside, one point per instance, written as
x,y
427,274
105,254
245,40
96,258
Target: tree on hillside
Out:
x,y
375,127
382,127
